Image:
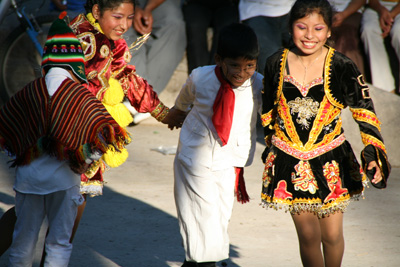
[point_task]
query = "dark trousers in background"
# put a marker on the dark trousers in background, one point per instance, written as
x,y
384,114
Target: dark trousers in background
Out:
x,y
200,15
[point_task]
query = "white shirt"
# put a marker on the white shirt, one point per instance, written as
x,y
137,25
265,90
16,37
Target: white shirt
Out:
x,y
198,140
46,174
266,8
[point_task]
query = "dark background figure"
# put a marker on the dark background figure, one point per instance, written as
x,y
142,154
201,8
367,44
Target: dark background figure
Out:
x,y
346,31
73,7
199,16
269,20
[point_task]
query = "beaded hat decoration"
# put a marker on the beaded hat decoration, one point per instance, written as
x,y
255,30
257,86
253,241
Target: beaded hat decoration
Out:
x,y
62,48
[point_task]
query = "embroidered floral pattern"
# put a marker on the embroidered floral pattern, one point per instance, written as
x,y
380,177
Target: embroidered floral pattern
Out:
x,y
331,173
281,192
304,179
268,170
306,109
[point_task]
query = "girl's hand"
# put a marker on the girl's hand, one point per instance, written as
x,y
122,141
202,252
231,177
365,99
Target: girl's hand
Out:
x,y
378,174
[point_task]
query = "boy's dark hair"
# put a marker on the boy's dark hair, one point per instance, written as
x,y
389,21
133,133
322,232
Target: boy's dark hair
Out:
x,y
237,40
106,4
302,8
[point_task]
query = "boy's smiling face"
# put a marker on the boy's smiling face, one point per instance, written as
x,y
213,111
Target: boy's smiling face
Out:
x,y
236,70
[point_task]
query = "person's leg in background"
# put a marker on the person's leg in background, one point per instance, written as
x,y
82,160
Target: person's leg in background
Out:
x,y
395,35
198,15
226,13
346,39
158,58
374,47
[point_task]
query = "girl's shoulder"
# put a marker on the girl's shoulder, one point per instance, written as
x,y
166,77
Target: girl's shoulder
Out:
x,y
340,63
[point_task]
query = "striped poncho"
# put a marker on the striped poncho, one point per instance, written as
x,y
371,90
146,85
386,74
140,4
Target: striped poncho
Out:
x,y
71,125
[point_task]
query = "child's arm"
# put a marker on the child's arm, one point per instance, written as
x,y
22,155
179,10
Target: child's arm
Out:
x,y
356,94
183,103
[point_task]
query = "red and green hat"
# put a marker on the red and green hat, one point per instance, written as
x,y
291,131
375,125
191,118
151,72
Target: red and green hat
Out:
x,y
63,48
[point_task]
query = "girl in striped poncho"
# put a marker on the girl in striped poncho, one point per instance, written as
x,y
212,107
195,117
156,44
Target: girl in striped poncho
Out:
x,y
55,129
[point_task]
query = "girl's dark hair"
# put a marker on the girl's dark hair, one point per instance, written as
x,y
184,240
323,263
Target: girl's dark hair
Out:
x,y
105,4
237,40
302,8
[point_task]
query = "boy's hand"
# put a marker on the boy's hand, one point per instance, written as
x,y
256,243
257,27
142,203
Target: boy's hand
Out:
x,y
80,169
175,118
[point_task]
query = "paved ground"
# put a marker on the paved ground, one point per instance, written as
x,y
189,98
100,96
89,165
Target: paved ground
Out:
x,y
134,223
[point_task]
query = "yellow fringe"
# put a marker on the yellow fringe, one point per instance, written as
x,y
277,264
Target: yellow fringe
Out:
x,y
114,94
120,114
114,158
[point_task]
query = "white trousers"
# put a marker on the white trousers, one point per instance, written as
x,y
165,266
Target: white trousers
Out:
x,y
374,46
204,201
60,208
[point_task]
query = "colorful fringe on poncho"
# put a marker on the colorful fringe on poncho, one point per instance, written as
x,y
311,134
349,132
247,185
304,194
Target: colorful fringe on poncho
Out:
x,y
71,125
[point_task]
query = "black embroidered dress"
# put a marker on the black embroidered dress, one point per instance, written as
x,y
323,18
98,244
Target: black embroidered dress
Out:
x,y
309,165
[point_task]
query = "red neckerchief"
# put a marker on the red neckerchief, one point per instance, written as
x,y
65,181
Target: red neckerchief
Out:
x,y
223,108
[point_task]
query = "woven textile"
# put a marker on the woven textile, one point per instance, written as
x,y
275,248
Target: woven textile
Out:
x,y
70,125
62,48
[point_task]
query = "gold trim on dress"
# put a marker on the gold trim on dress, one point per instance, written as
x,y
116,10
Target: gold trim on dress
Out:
x,y
371,140
102,78
88,47
266,118
281,76
327,78
367,116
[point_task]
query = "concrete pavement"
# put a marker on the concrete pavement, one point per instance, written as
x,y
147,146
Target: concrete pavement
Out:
x,y
134,223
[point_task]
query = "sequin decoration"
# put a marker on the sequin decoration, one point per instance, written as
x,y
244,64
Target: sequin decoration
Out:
x,y
306,109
